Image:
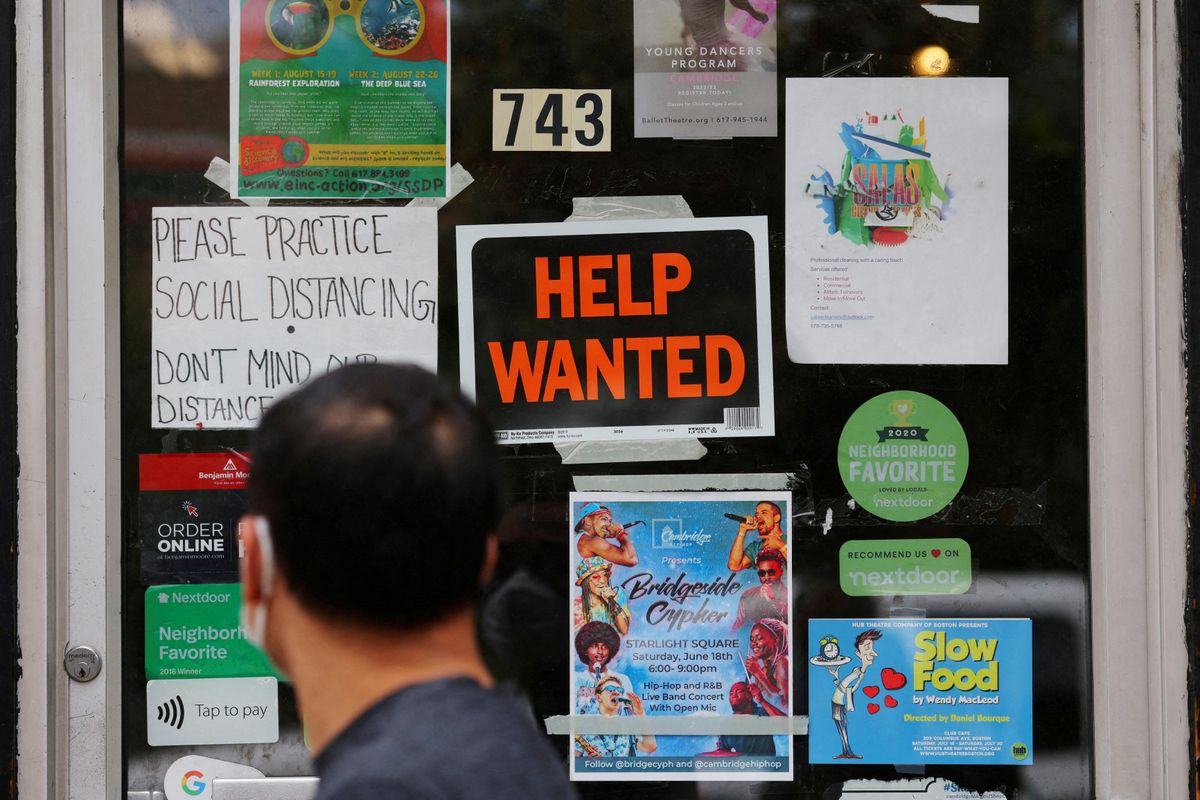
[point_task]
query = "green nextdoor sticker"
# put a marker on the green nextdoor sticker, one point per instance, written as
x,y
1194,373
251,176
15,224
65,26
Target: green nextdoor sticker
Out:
x,y
905,566
903,456
194,631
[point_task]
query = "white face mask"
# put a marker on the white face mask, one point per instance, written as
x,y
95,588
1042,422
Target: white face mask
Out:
x,y
254,618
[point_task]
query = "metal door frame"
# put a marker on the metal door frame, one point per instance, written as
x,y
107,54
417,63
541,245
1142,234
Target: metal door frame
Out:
x,y
68,362
69,734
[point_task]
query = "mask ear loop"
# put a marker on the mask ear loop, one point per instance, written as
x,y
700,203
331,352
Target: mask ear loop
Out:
x,y
266,553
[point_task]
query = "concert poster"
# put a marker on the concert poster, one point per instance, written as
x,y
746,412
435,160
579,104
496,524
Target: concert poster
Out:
x,y
681,611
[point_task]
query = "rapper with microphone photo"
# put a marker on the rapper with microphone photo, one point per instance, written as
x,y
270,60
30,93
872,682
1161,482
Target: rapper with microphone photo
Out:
x,y
767,523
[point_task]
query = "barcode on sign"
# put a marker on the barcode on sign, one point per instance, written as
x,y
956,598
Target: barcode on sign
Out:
x,y
741,419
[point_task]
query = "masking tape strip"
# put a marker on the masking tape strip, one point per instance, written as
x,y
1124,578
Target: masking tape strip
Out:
x,y
590,209
630,451
734,725
460,179
743,482
218,174
967,14
655,206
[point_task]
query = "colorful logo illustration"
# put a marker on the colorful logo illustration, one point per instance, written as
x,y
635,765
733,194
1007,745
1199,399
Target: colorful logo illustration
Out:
x,y
888,191
192,783
388,27
191,510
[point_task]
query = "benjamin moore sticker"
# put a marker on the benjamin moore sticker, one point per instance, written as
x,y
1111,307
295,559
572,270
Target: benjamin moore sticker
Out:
x,y
212,711
191,777
196,632
188,508
905,566
903,456
920,691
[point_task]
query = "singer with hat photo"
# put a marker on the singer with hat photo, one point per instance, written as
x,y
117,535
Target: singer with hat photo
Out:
x,y
599,600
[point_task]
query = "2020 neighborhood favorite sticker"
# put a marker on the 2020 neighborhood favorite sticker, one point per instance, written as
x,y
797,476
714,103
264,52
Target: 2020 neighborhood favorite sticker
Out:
x,y
897,220
920,691
681,607
903,456
339,98
639,329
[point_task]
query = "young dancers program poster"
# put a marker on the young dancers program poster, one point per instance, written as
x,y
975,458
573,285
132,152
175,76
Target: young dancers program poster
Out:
x,y
705,68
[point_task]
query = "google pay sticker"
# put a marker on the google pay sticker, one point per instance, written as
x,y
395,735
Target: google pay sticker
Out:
x,y
195,631
904,567
903,456
191,777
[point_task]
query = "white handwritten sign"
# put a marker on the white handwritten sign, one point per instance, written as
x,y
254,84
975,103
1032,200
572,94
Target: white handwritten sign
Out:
x,y
249,303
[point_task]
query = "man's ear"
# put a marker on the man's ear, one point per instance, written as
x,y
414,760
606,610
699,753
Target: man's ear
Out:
x,y
251,563
491,557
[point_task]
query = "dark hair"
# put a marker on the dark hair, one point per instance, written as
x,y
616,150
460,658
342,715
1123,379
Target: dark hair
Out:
x,y
778,510
770,554
367,475
596,631
871,635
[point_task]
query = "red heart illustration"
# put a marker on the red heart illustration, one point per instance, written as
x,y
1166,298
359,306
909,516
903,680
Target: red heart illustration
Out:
x,y
870,691
890,701
893,680
872,708
935,553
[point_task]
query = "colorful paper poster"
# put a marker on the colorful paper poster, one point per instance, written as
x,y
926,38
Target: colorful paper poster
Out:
x,y
681,607
248,304
189,505
195,631
897,220
645,329
903,456
339,98
920,691
705,68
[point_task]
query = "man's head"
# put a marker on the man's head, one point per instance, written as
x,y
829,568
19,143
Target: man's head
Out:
x,y
597,643
380,486
864,645
770,564
594,519
740,699
609,694
767,517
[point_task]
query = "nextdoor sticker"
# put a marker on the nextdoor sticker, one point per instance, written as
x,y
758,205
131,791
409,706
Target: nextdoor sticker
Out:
x,y
196,632
903,456
905,566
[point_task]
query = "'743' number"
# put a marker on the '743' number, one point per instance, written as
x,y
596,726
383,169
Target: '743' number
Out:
x,y
575,120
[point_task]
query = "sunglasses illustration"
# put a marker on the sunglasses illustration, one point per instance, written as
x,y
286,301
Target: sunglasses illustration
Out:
x,y
388,27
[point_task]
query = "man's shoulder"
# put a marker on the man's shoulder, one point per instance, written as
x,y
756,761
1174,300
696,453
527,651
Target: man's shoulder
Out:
x,y
454,737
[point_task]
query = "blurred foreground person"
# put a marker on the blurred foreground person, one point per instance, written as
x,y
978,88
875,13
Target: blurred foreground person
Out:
x,y
373,497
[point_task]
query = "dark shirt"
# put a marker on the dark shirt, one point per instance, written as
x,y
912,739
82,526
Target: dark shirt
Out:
x,y
749,745
444,740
